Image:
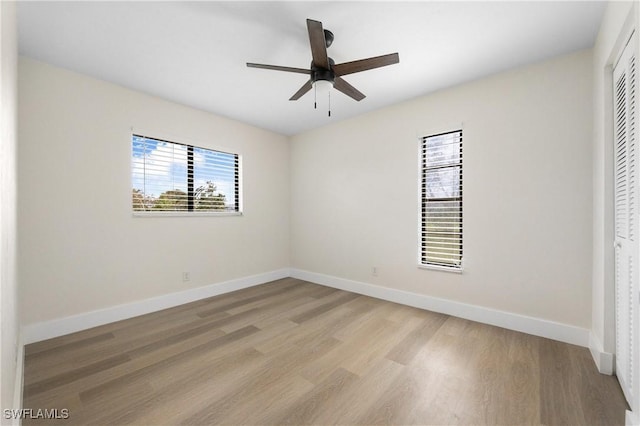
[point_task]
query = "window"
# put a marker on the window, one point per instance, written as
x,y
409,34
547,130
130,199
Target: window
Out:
x,y
441,229
174,177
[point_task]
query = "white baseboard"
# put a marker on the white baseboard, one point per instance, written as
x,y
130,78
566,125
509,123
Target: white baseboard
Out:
x,y
48,329
530,325
604,360
562,332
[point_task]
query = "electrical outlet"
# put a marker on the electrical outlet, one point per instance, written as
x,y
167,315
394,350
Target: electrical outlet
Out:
x,y
374,271
186,276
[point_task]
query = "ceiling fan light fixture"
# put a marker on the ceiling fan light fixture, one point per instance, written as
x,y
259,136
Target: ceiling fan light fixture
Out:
x,y
322,86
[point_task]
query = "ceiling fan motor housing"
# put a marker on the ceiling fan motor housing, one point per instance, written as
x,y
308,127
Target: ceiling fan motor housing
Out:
x,y
319,73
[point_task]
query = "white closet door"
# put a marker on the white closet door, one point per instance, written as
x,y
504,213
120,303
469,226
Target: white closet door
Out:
x,y
626,221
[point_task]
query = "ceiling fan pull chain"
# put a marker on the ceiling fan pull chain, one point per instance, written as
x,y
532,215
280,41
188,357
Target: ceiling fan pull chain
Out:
x,y
315,96
329,103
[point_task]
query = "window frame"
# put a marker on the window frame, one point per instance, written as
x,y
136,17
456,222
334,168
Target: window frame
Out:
x,y
422,136
193,144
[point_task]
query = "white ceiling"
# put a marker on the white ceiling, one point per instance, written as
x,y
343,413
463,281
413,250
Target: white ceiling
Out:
x,y
194,53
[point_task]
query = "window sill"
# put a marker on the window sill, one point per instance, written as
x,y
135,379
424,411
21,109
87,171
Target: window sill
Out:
x,y
441,268
185,214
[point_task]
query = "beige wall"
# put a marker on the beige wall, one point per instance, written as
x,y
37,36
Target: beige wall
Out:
x,y
9,332
80,247
354,196
527,193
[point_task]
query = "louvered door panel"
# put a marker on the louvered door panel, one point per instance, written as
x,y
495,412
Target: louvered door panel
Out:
x,y
626,221
632,148
621,177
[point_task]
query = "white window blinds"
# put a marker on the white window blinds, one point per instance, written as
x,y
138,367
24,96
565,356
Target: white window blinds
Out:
x,y
174,177
441,236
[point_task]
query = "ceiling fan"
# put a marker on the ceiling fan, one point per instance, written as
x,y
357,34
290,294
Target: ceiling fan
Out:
x,y
323,68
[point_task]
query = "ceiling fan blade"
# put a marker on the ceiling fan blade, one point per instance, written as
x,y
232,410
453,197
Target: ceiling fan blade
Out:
x,y
279,68
366,64
304,89
318,44
347,89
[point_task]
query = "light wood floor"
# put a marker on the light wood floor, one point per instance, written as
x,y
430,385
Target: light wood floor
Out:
x,y
291,352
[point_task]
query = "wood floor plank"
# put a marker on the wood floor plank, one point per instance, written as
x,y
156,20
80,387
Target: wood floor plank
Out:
x,y
133,348
279,397
557,388
351,406
521,376
128,335
378,343
411,344
483,399
310,405
285,366
321,291
121,381
443,367
73,375
600,395
173,339
179,390
369,310
292,352
136,364
394,405
208,323
246,301
143,323
324,308
317,328
71,346
263,312
377,335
